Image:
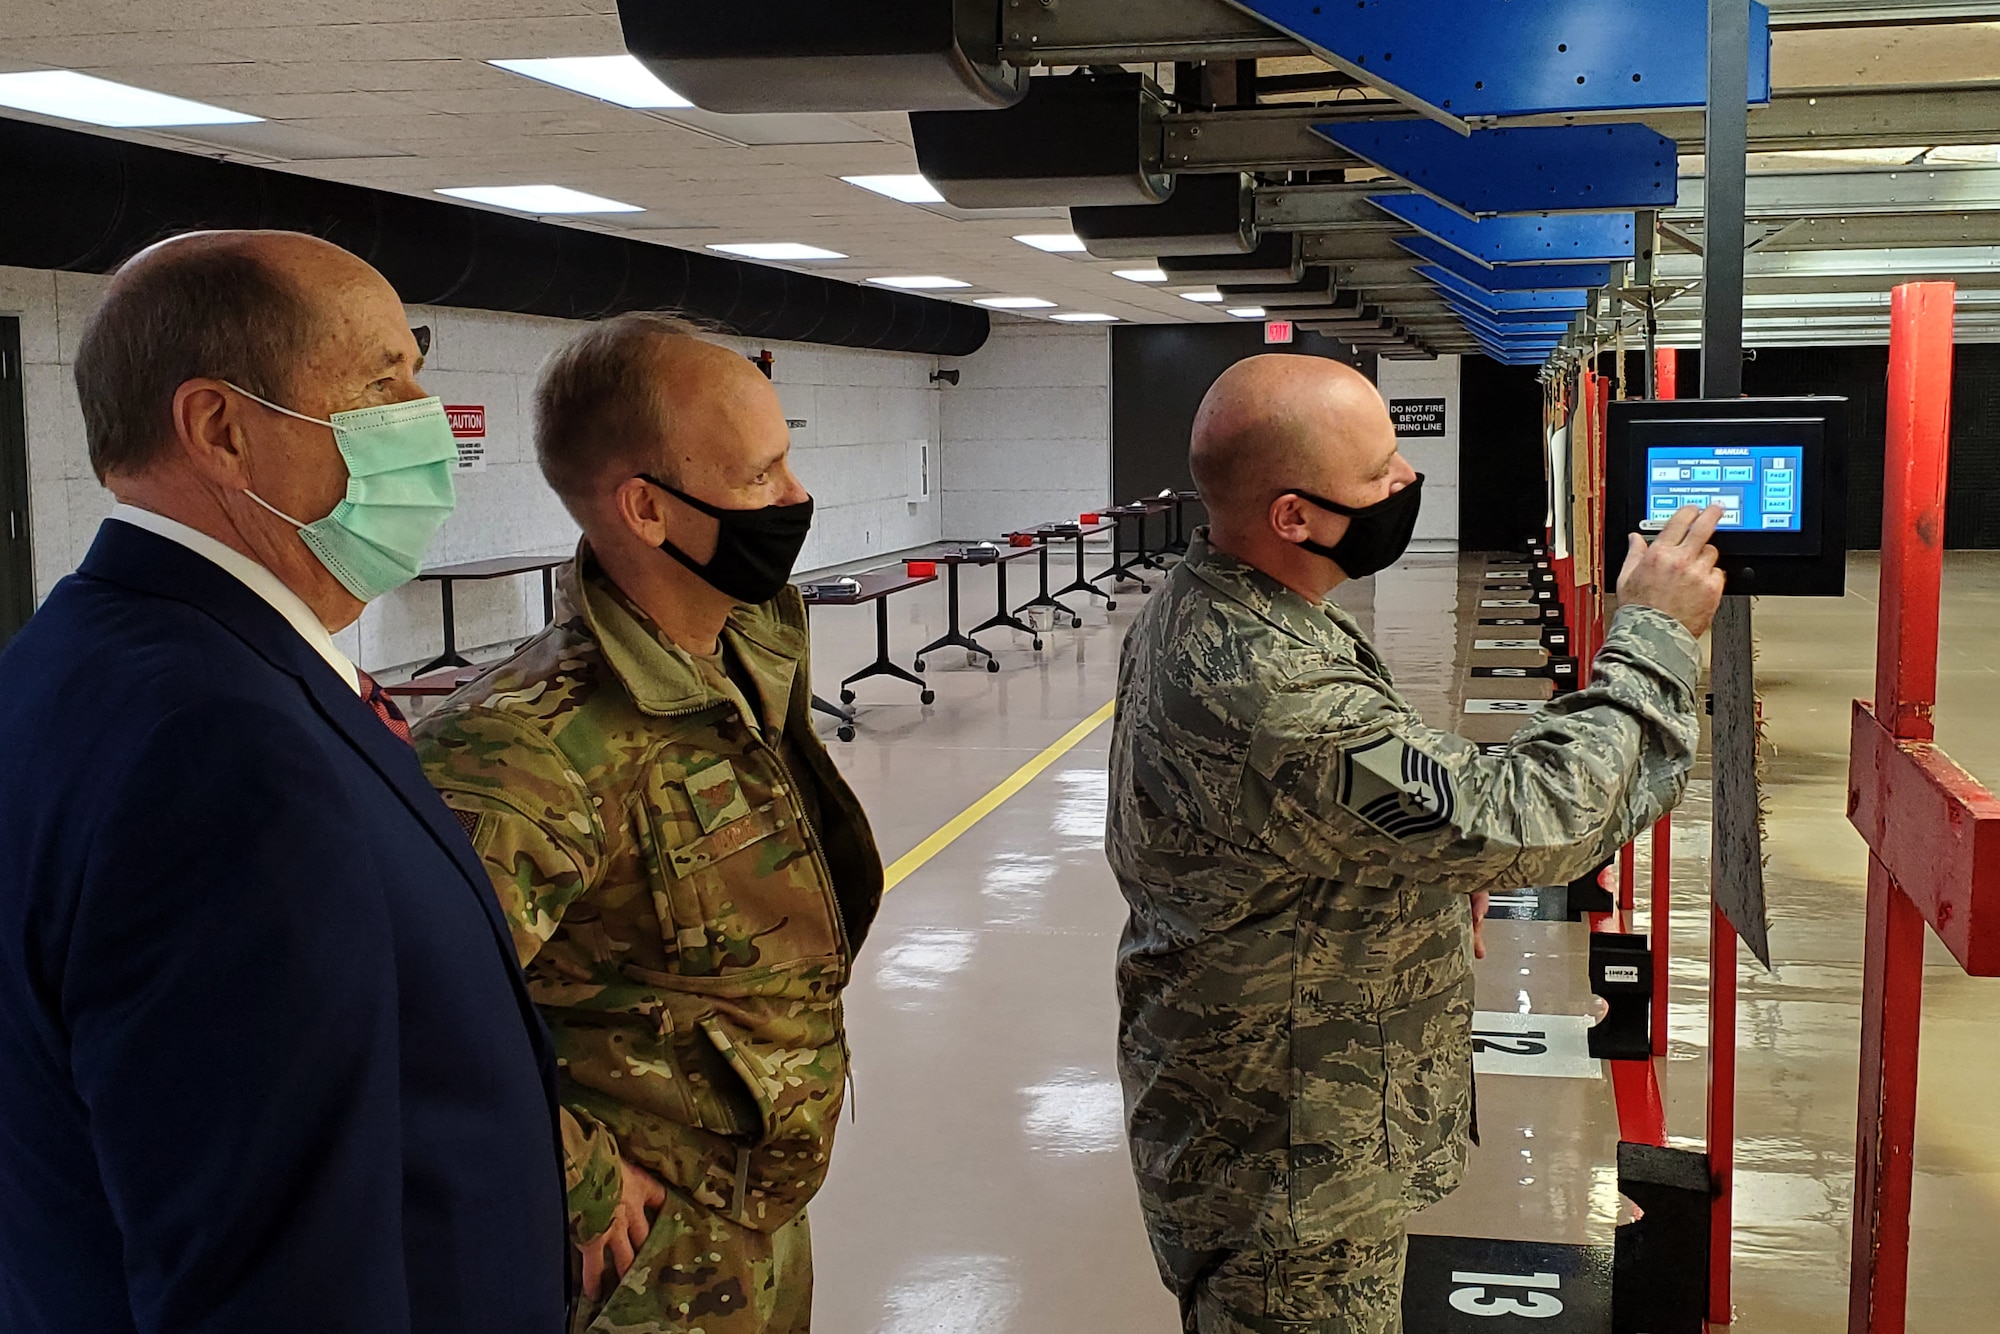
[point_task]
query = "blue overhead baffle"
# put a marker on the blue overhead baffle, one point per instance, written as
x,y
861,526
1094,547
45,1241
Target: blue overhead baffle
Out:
x,y
1529,169
1556,239
1507,278
1457,60
1550,298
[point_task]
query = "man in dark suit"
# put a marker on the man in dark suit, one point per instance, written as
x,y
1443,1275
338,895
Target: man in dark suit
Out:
x,y
266,1061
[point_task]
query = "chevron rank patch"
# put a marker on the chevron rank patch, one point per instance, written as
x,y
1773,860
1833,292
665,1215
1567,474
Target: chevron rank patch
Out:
x,y
1400,791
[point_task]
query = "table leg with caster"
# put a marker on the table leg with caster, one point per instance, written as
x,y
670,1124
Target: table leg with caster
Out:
x,y
845,730
954,637
882,666
1046,599
1003,619
1083,584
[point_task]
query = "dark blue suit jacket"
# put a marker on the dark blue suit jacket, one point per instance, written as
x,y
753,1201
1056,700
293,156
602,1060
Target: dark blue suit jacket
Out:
x,y
266,1060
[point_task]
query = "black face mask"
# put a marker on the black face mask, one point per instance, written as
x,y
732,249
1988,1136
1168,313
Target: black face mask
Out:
x,y
754,549
1377,535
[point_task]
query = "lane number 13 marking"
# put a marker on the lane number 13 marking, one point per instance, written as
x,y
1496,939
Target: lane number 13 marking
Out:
x,y
1472,1298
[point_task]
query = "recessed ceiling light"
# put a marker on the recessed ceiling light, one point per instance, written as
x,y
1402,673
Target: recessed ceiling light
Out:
x,y
1056,243
1085,317
1142,275
539,199
1206,298
920,282
910,189
1247,312
777,250
1014,303
68,95
619,79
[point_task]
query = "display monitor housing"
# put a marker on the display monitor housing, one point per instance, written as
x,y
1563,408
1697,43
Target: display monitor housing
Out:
x,y
1772,463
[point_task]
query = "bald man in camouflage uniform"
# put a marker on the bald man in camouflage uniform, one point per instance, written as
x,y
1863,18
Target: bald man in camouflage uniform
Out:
x,y
1300,852
687,875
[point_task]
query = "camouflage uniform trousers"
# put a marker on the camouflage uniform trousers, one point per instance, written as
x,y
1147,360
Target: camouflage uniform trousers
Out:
x,y
699,1273
1350,1286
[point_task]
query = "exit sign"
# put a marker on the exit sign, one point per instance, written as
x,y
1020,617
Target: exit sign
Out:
x,y
1277,331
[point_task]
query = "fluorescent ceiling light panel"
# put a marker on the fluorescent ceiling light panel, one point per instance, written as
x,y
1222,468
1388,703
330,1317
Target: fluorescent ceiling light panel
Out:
x,y
618,79
68,95
1142,275
926,282
911,189
1209,298
1056,243
539,199
1086,317
1014,303
777,250
1247,312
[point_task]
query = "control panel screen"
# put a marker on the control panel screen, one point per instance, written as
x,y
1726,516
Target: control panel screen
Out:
x,y
1756,485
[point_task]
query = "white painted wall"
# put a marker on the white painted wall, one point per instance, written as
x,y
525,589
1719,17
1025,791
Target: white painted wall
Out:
x,y
863,412
1027,430
1436,457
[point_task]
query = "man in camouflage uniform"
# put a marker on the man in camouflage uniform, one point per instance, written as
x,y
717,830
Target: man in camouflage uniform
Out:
x,y
1299,852
687,875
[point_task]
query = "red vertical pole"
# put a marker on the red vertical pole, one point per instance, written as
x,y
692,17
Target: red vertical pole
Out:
x,y
1892,978
1665,362
1721,1109
1627,875
1662,940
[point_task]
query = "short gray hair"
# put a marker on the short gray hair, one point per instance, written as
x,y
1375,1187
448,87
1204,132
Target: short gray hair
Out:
x,y
216,311
598,404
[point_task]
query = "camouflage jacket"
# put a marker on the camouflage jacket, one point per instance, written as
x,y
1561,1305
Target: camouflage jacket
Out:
x,y
1296,846
687,886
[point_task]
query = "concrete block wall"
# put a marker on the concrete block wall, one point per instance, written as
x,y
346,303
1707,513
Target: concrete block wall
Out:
x,y
863,413
1027,430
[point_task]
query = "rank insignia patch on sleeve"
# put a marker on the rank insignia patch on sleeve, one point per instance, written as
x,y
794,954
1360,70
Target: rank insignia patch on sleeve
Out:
x,y
1400,791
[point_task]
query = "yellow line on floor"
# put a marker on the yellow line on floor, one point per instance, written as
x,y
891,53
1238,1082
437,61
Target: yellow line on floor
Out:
x,y
907,864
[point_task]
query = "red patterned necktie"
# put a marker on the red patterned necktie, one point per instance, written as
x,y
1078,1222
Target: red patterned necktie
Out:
x,y
385,708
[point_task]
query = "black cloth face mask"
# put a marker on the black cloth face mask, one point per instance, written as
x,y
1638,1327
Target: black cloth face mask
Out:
x,y
754,549
1377,535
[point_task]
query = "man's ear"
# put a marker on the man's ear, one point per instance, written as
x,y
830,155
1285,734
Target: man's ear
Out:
x,y
208,433
1290,518
640,507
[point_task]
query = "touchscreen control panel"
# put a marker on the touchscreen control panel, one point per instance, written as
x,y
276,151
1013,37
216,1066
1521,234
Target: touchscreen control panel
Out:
x,y
1756,485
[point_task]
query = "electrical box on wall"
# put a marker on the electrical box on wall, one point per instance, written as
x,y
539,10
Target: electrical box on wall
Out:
x,y
1773,464
919,472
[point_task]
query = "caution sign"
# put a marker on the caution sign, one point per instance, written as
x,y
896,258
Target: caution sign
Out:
x,y
468,428
1418,416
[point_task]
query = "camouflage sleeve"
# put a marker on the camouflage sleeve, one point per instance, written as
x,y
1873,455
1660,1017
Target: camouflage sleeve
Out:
x,y
527,812
592,1172
1344,780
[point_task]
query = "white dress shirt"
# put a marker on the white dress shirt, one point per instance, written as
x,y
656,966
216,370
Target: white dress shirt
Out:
x,y
253,577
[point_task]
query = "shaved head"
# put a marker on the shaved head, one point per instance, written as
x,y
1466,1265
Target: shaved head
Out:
x,y
1276,423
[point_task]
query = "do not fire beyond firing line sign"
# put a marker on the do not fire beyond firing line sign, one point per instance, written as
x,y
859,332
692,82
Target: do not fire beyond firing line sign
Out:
x,y
1418,416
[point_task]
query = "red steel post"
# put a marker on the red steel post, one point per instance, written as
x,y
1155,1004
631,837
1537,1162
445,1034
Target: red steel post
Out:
x,y
1721,1108
1665,363
1913,497
1627,874
1662,940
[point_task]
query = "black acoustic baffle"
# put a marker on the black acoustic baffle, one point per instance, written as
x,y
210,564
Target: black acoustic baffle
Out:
x,y
96,201
1501,471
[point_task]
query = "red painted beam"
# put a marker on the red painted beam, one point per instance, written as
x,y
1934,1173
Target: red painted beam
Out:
x,y
1658,925
1936,831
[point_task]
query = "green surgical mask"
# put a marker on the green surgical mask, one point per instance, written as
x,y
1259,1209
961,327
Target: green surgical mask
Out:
x,y
399,493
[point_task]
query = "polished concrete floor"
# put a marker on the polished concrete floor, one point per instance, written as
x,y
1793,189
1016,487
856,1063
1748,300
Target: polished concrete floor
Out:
x,y
982,1184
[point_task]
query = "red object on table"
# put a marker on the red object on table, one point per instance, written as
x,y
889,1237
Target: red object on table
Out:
x,y
1933,832
1020,539
920,567
1087,518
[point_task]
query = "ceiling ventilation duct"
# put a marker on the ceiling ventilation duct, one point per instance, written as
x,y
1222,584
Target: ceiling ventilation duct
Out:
x,y
1206,215
1316,288
98,200
811,55
1090,138
1274,262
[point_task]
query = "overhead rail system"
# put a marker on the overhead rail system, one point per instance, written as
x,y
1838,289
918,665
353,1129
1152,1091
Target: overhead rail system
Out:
x,y
1332,150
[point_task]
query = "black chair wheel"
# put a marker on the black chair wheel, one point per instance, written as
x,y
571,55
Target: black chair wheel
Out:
x,y
844,732
993,664
920,664
1038,646
928,697
846,696
1109,605
1076,622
